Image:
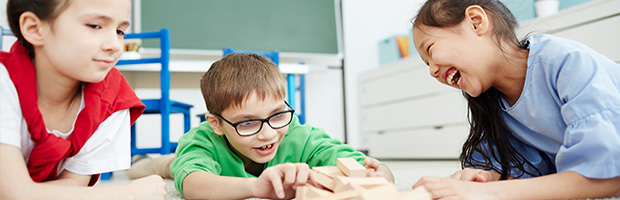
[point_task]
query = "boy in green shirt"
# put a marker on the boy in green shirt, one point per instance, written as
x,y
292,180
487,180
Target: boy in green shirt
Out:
x,y
252,144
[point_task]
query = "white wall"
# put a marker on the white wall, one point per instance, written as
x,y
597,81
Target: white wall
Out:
x,y
365,23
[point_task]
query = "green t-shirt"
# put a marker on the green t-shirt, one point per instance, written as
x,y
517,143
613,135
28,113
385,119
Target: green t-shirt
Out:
x,y
201,149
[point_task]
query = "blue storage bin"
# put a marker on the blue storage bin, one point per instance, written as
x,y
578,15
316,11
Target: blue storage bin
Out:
x,y
388,51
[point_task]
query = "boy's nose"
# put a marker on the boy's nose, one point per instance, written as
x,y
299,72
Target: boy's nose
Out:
x,y
266,133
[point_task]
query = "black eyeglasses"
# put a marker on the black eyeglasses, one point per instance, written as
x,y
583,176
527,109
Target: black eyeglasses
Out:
x,y
253,126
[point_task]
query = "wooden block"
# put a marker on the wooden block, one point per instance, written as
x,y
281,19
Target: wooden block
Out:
x,y
419,193
314,192
351,186
386,191
330,171
324,180
307,192
349,194
350,167
301,193
367,182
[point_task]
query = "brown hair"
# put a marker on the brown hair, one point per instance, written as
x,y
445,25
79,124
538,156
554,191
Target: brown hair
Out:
x,y
236,76
488,134
46,10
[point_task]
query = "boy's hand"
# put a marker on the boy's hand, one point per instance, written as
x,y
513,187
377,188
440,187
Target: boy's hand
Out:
x,y
378,170
475,175
280,181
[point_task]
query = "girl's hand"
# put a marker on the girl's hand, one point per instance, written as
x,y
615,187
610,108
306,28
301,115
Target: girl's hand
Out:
x,y
150,187
448,188
374,165
280,181
475,175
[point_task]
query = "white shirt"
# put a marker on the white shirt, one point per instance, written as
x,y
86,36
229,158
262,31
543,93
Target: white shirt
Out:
x,y
108,149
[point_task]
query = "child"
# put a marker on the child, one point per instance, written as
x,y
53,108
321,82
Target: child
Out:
x,y
544,112
252,144
65,111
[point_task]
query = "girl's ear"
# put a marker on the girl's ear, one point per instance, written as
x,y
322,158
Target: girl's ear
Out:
x,y
478,19
214,122
31,28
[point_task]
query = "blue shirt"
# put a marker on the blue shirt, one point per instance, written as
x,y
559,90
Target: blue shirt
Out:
x,y
568,115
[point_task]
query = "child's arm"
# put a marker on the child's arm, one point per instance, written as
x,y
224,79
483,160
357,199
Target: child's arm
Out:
x,y
278,182
563,185
17,184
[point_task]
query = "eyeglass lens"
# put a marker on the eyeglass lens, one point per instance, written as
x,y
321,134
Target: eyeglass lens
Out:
x,y
275,121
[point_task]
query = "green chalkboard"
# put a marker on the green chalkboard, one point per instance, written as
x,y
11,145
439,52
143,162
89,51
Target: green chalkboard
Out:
x,y
304,26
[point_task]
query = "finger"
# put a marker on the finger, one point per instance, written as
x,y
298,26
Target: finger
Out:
x,y
276,183
303,173
439,190
312,178
371,162
468,176
482,177
426,180
457,175
290,174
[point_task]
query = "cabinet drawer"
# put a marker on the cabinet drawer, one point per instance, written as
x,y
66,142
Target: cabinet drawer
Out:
x,y
402,85
443,143
443,109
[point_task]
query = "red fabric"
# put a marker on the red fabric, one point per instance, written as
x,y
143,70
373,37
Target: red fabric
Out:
x,y
100,99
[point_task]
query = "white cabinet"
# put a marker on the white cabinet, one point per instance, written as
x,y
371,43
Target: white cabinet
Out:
x,y
407,114
596,24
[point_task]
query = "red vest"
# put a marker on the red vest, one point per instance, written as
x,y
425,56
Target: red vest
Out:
x,y
101,100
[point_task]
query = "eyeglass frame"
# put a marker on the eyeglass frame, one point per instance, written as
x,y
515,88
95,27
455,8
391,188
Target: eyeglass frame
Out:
x,y
234,125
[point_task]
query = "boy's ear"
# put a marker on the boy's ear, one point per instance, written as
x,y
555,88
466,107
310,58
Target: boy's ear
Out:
x,y
478,19
31,28
214,122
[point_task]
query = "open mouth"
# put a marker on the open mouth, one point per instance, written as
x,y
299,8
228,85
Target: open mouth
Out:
x,y
266,147
454,77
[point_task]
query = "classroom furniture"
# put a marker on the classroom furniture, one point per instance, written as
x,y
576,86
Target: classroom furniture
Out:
x,y
163,105
4,32
292,88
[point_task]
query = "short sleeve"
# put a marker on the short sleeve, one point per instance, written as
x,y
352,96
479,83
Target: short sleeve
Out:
x,y
591,111
325,151
108,149
11,120
194,153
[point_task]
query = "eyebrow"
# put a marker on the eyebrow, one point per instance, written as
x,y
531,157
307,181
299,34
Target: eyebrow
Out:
x,y
244,117
422,43
106,18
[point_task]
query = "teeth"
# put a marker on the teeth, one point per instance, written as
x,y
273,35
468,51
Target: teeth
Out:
x,y
266,147
449,79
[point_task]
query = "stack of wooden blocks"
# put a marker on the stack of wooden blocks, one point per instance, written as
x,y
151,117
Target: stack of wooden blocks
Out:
x,y
348,180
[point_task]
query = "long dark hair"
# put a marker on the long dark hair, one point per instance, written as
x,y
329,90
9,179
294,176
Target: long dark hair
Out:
x,y
44,9
485,118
